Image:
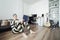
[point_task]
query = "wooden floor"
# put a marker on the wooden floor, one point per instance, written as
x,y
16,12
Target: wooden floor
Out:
x,y
42,33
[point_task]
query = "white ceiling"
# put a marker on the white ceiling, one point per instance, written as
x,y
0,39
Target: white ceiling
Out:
x,y
30,1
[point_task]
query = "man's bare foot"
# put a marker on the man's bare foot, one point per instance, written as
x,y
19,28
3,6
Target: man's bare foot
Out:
x,y
24,35
32,31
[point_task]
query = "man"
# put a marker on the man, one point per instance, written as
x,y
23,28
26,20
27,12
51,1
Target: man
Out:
x,y
17,26
14,24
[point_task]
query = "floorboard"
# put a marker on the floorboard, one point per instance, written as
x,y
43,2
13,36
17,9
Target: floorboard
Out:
x,y
41,33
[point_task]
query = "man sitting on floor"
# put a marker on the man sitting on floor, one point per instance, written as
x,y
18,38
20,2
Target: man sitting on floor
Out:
x,y
17,26
20,26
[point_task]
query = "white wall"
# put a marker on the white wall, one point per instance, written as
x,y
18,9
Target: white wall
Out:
x,y
40,7
26,9
20,9
59,13
9,7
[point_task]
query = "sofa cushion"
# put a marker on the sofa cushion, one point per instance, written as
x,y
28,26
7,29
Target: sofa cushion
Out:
x,y
5,23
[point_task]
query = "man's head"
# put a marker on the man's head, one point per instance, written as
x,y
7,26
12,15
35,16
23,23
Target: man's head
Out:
x,y
14,16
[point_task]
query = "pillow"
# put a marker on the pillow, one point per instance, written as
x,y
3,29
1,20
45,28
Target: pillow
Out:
x,y
5,23
26,18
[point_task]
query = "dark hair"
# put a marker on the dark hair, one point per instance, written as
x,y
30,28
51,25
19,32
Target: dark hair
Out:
x,y
14,14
